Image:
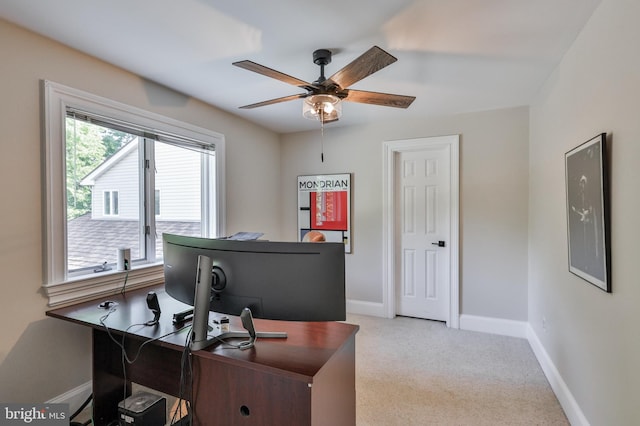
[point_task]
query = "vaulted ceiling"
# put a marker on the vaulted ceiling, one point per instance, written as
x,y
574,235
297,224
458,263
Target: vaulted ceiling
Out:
x,y
455,56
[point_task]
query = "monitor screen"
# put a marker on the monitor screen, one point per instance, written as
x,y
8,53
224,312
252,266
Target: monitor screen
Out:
x,y
293,281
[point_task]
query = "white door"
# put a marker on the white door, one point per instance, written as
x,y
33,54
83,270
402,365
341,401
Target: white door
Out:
x,y
422,255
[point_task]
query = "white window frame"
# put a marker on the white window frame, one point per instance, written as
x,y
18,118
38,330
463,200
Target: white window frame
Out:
x,y
113,196
157,208
58,286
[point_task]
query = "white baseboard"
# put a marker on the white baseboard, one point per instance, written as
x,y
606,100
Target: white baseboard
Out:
x,y
74,397
503,327
360,307
565,397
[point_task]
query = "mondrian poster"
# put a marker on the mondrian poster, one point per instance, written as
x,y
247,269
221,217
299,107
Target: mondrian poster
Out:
x,y
324,208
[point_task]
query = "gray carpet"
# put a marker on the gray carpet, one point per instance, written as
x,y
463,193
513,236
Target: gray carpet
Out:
x,y
417,372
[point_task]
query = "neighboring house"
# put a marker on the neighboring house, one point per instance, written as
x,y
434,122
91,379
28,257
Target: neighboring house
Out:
x,y
115,184
114,216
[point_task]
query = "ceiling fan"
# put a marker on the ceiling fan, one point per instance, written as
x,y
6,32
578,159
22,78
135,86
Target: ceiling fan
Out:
x,y
323,97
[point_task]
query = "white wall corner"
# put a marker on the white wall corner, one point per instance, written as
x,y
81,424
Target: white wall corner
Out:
x,y
500,326
360,307
74,397
571,408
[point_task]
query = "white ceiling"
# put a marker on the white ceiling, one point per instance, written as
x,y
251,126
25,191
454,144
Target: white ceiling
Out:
x,y
455,56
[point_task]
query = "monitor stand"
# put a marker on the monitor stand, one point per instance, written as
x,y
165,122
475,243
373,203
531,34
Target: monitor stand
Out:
x,y
201,337
216,334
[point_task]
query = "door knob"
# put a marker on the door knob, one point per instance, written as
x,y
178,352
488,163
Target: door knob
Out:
x,y
439,243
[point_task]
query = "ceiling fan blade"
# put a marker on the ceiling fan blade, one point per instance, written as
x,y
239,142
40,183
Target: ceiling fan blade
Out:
x,y
275,101
261,69
366,64
377,98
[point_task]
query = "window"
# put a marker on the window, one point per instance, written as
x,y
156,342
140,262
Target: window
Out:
x,y
110,203
106,164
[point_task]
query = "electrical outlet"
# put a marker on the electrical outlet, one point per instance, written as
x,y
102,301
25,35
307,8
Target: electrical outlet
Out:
x,y
544,323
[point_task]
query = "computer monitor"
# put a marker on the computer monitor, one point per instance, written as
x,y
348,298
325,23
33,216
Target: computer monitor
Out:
x,y
292,281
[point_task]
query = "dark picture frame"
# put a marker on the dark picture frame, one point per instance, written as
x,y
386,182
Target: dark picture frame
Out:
x,y
588,212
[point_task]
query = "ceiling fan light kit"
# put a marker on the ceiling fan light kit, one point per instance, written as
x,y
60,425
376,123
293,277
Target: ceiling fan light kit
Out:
x,y
323,107
323,98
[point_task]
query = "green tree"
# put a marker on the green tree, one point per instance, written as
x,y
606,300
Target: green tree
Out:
x,y
113,140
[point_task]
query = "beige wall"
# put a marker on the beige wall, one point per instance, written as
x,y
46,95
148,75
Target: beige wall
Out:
x,y
493,201
591,337
41,357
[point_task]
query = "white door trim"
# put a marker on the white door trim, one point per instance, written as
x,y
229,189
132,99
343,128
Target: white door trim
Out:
x,y
390,148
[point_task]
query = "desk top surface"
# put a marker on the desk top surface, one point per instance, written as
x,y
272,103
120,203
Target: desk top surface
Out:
x,y
308,346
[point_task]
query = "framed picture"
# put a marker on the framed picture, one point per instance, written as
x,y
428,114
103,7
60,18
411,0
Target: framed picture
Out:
x,y
324,208
588,212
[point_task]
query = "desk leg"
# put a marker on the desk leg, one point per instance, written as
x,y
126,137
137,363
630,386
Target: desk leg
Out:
x,y
108,379
334,389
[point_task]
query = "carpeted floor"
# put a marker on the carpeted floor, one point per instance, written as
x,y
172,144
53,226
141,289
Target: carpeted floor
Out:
x,y
412,372
417,372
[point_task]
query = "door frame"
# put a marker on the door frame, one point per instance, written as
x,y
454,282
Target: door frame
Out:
x,y
389,219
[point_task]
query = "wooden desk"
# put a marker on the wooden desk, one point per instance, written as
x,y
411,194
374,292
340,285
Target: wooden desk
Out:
x,y
306,379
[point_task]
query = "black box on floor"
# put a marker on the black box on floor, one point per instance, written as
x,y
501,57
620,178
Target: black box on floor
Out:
x,y
142,409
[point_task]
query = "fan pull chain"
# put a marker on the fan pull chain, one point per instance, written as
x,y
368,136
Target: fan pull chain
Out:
x,y
322,135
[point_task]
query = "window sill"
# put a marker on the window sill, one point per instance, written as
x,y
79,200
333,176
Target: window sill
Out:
x,y
104,284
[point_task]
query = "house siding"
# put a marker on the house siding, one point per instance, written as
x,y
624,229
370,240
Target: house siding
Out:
x,y
121,177
177,179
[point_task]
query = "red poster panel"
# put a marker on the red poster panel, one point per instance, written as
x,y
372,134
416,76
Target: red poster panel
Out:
x,y
329,210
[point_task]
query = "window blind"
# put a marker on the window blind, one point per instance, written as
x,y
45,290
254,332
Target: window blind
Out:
x,y
138,130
